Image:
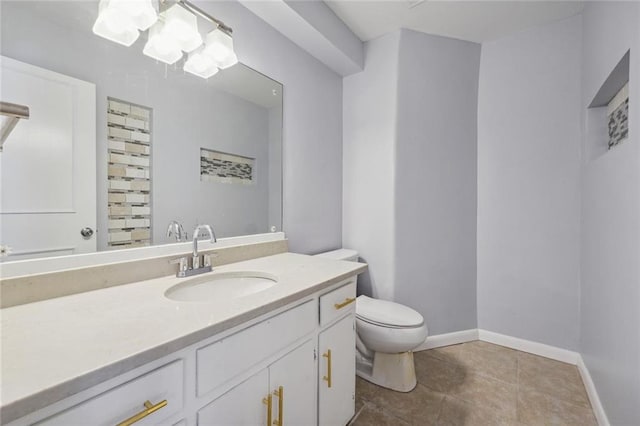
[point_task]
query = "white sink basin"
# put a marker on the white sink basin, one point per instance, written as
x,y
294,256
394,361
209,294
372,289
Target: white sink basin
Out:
x,y
222,286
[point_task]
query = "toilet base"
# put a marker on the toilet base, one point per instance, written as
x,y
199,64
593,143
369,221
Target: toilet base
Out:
x,y
392,371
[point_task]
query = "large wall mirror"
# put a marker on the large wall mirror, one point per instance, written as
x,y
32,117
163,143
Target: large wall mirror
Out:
x,y
120,150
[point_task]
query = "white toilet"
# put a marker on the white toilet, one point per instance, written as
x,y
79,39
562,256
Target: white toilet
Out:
x,y
387,332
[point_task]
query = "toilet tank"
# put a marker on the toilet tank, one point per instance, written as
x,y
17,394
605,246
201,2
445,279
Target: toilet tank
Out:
x,y
340,254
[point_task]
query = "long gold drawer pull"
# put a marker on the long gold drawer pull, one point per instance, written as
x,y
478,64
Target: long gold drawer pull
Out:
x,y
149,408
347,301
327,378
267,401
280,394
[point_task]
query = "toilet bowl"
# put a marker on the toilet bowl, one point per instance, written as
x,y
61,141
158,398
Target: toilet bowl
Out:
x,y
386,333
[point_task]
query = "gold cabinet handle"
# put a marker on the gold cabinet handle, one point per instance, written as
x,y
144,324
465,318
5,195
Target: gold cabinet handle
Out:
x,y
280,394
267,401
148,409
327,378
347,301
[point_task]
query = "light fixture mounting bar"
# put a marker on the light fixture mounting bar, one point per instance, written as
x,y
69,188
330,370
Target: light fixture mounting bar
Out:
x,y
204,15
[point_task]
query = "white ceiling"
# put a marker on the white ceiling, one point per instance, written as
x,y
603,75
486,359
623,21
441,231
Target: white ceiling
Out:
x,y
477,21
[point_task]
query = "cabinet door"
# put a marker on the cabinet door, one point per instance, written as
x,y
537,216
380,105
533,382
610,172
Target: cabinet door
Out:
x,y
294,374
242,405
337,373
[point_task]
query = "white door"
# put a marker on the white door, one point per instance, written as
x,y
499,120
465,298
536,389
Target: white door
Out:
x,y
48,164
337,398
294,376
242,405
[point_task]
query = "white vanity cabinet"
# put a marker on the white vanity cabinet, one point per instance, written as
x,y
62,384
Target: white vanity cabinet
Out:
x,y
161,390
280,394
337,369
337,373
293,366
242,405
291,381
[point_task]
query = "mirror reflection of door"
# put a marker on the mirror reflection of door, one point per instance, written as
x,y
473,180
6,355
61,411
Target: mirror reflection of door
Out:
x,y
47,195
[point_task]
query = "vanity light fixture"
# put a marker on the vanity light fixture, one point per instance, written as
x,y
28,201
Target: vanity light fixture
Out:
x,y
172,32
181,26
161,46
219,46
122,20
200,64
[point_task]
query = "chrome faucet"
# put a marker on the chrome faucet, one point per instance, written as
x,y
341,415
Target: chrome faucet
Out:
x,y
175,228
196,234
198,264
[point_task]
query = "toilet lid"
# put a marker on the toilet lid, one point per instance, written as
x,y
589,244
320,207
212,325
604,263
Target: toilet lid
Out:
x,y
388,313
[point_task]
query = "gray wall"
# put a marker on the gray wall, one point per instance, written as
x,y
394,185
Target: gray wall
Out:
x,y
610,246
435,180
529,185
312,132
409,174
369,150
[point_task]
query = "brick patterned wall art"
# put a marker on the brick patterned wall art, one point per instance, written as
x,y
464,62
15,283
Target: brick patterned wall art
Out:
x,y
129,189
226,168
618,117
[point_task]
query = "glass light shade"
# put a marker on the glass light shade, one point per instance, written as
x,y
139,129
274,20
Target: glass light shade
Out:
x,y
161,47
182,26
219,45
229,61
115,24
200,64
142,12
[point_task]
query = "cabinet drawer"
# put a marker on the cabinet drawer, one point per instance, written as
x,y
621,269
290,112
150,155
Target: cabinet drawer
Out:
x,y
338,302
223,360
127,400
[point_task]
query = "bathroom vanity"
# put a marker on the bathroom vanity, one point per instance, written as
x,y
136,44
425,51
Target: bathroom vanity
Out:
x,y
131,355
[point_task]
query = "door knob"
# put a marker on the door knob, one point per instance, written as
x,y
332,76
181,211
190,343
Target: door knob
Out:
x,y
86,232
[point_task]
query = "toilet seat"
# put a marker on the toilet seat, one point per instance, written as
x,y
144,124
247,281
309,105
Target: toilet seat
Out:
x,y
399,327
388,327
387,314
389,339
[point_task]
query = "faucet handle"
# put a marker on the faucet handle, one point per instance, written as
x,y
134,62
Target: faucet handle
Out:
x,y
182,261
206,259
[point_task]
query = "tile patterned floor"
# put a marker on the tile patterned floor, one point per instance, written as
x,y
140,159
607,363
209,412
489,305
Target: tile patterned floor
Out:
x,y
478,383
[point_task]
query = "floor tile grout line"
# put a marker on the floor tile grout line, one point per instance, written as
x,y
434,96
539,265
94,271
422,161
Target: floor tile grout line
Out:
x,y
387,412
563,400
482,374
444,396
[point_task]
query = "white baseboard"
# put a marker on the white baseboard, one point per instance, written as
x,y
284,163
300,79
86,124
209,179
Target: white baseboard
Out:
x,y
535,348
447,339
592,393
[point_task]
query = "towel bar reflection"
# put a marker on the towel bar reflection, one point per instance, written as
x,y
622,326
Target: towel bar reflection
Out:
x,y
11,113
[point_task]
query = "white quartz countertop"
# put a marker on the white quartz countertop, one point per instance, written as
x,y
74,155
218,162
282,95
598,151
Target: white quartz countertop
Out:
x,y
58,347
